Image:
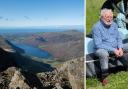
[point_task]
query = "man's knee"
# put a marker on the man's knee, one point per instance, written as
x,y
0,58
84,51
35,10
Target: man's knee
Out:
x,y
102,53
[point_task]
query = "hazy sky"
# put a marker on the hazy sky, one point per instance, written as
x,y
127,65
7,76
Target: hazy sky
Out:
x,y
17,13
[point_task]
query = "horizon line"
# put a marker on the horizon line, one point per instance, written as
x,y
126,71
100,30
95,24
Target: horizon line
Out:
x,y
38,26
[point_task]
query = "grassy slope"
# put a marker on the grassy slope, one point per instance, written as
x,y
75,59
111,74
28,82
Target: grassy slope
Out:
x,y
116,81
92,13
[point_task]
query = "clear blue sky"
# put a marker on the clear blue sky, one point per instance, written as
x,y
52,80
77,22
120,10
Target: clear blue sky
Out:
x,y
16,13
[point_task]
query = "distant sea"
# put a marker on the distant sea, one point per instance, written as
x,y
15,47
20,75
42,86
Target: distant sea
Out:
x,y
33,30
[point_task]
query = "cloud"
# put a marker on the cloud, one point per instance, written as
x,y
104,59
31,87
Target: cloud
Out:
x,y
1,17
26,17
6,19
9,19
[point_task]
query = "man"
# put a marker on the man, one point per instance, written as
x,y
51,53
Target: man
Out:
x,y
107,41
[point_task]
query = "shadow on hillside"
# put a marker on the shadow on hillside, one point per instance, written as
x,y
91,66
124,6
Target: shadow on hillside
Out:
x,y
6,60
25,63
29,68
29,65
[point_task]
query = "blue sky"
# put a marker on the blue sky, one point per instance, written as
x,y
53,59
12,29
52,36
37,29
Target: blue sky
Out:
x,y
22,13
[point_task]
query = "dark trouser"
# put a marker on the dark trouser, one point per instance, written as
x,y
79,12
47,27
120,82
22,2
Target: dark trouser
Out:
x,y
104,58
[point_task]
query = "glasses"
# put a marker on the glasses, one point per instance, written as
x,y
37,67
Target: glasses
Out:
x,y
108,16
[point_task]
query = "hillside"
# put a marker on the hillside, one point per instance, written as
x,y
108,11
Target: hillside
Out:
x,y
92,13
21,72
61,45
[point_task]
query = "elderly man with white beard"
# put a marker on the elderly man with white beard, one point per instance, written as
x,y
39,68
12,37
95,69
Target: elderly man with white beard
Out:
x,y
107,41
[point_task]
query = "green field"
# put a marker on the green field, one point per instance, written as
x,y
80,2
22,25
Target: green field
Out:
x,y
116,81
92,13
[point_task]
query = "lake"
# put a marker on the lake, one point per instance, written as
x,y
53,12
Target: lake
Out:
x,y
33,51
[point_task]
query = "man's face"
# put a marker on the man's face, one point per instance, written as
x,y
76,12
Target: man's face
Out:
x,y
108,18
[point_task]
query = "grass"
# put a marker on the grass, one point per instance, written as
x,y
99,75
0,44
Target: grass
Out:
x,y
52,62
42,46
92,13
116,81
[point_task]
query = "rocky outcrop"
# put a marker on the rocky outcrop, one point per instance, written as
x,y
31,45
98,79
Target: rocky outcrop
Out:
x,y
13,79
75,72
54,80
69,75
18,81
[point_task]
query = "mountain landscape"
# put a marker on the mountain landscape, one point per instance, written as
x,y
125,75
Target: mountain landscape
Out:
x,y
61,45
65,70
41,44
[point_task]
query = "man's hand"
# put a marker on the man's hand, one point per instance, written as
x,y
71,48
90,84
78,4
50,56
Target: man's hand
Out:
x,y
120,52
117,53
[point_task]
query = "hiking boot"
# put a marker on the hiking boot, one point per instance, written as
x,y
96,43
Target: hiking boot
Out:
x,y
104,82
104,75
